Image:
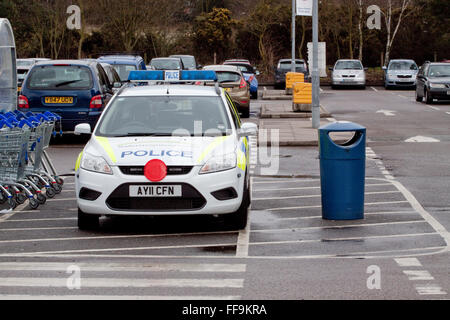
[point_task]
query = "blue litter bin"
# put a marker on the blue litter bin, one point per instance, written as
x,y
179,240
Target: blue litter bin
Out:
x,y
342,172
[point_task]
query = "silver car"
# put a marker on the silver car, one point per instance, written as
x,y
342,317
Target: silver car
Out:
x,y
348,72
400,73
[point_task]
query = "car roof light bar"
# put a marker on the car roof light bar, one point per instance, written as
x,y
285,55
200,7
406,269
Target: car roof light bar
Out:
x,y
168,76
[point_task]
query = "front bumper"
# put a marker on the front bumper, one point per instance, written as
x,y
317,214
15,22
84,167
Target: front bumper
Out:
x,y
348,82
401,82
440,93
203,184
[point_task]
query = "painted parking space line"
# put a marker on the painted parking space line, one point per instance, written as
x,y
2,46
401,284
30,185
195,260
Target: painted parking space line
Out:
x,y
408,262
418,275
430,290
318,196
320,217
368,185
113,297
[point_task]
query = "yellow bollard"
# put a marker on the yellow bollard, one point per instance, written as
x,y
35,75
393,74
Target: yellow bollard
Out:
x,y
302,93
291,78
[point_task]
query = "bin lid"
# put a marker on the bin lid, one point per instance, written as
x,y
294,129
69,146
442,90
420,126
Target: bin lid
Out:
x,y
6,34
342,126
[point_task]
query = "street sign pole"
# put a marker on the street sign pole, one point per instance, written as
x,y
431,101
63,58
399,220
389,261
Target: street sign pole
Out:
x,y
294,13
315,67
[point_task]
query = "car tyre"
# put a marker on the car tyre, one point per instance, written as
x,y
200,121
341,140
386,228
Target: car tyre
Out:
x,y
428,98
87,221
254,95
245,112
238,219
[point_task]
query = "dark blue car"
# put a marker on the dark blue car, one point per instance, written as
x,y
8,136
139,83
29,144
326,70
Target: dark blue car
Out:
x,y
124,64
76,90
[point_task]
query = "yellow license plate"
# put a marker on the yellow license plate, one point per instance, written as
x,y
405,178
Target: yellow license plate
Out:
x,y
18,89
227,89
60,100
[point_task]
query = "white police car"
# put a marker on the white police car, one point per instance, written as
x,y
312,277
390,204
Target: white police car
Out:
x,y
165,150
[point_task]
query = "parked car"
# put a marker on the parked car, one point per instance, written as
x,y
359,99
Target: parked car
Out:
x,y
232,80
76,90
23,66
400,73
113,76
249,73
348,72
167,63
124,64
189,62
433,82
284,66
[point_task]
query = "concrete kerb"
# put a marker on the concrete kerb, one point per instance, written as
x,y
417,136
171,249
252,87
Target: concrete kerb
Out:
x,y
267,113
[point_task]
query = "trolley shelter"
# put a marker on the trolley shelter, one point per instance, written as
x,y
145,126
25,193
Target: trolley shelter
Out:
x,y
8,74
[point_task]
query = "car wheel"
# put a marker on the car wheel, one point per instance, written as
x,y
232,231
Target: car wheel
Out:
x,y
245,112
87,221
254,95
418,98
428,98
238,219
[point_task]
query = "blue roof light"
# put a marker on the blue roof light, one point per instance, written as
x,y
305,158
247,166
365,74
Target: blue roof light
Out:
x,y
146,75
198,75
159,75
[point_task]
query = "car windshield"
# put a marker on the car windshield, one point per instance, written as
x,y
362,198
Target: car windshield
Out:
x,y
60,78
167,64
244,68
286,65
223,76
402,65
123,70
165,116
348,65
24,63
439,71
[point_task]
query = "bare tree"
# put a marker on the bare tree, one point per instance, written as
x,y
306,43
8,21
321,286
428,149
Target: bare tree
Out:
x,y
359,3
400,8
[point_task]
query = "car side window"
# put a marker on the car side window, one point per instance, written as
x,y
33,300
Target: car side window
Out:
x,y
233,110
104,81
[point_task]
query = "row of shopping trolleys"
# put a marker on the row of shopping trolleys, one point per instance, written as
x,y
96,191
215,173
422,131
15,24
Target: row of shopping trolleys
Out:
x,y
26,170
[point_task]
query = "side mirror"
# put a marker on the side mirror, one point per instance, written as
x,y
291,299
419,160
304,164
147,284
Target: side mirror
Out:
x,y
248,129
365,68
330,68
83,128
117,85
384,68
257,73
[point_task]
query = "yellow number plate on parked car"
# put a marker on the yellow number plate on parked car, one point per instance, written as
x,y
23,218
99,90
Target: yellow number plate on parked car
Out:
x,y
59,100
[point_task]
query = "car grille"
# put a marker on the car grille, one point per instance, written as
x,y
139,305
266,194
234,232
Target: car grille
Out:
x,y
348,76
171,170
121,201
401,76
405,83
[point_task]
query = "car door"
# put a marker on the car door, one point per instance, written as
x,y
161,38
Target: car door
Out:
x,y
105,85
421,80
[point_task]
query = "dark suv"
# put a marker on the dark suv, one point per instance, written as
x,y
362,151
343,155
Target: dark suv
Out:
x,y
76,90
284,66
433,82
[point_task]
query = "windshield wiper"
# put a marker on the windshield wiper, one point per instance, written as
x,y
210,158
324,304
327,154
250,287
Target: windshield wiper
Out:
x,y
66,82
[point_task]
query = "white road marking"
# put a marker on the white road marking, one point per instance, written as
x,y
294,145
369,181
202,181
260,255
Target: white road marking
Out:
x,y
309,207
61,199
366,214
421,139
129,267
307,188
418,275
430,290
38,229
401,96
432,107
374,89
103,297
387,113
331,119
447,112
244,235
43,219
284,181
318,196
123,283
338,227
408,262
120,237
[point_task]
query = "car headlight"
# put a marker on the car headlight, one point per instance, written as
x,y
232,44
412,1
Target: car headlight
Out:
x,y
95,164
219,163
437,85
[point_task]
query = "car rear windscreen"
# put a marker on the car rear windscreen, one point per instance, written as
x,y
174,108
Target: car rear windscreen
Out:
x,y
402,65
166,64
124,70
60,78
286,65
223,76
